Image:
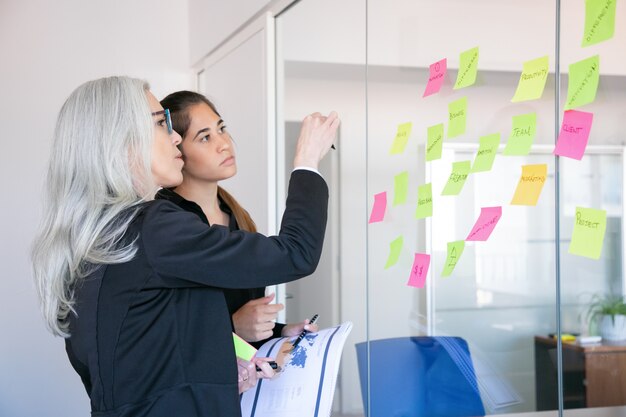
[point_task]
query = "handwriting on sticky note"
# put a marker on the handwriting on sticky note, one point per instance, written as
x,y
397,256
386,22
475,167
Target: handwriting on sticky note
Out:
x,y
588,234
455,250
530,185
522,135
395,248
532,81
436,76
574,134
419,270
460,171
468,67
486,222
424,201
379,207
402,137
434,142
400,187
486,153
457,111
599,21
582,84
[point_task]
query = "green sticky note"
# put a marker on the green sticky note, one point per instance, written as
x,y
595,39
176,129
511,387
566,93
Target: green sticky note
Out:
x,y
522,134
468,67
460,171
400,188
599,21
588,234
401,139
434,143
532,80
243,349
395,248
486,153
424,201
455,250
582,86
457,111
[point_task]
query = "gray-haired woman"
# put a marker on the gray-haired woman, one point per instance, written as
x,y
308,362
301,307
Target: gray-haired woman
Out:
x,y
135,285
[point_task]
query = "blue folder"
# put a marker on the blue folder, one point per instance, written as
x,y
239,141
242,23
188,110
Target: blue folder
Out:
x,y
419,377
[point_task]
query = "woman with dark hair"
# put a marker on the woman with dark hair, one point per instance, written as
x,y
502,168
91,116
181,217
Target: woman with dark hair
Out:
x,y
133,284
209,156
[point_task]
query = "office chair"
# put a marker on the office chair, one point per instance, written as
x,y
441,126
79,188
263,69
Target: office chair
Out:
x,y
419,377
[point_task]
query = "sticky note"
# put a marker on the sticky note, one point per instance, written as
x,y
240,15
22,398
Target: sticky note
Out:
x,y
599,21
486,153
379,207
530,185
468,67
588,234
395,248
424,201
522,135
419,270
401,139
243,349
574,134
532,80
460,171
582,84
455,250
434,142
435,77
400,188
457,111
487,221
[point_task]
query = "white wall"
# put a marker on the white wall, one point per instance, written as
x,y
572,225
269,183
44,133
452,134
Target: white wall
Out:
x,y
212,21
48,48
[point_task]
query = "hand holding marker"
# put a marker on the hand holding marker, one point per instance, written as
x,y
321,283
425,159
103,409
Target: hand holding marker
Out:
x,y
304,332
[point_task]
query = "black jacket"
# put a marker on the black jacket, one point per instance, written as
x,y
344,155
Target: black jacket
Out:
x,y
235,297
152,336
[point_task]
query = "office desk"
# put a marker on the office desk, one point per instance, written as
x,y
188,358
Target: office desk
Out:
x,y
593,375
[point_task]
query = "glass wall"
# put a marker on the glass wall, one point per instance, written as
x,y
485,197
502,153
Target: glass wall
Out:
x,y
463,239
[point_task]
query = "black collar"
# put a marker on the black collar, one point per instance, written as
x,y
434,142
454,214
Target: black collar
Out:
x,y
190,206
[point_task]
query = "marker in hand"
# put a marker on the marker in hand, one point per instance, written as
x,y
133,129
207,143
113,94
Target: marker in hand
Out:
x,y
304,332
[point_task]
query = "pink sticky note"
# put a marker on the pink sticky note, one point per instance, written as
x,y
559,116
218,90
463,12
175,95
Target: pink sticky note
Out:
x,y
489,217
435,79
419,270
574,134
380,205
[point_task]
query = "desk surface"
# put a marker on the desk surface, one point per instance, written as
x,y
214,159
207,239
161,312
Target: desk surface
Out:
x,y
602,347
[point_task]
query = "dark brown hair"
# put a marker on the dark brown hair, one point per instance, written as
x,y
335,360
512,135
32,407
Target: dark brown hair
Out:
x,y
179,104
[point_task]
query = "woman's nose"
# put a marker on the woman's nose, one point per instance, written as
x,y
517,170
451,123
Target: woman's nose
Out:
x,y
176,139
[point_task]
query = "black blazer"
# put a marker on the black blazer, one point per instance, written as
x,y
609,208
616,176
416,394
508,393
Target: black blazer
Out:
x,y
235,297
152,336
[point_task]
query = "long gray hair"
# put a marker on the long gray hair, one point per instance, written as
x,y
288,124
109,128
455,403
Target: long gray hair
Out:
x,y
99,172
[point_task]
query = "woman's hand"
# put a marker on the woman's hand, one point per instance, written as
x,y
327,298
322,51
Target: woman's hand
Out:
x,y
317,134
247,375
254,321
294,329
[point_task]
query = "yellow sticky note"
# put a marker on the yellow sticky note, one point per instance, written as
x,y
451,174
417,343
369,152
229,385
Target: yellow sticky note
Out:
x,y
599,21
468,67
455,250
532,80
582,85
522,134
530,185
395,248
434,142
400,188
243,349
424,201
457,111
486,153
588,234
401,139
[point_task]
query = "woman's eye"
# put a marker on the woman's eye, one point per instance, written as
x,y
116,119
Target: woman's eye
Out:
x,y
205,138
223,129
161,123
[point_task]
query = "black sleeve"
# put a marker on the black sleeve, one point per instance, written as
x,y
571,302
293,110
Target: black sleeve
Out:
x,y
184,252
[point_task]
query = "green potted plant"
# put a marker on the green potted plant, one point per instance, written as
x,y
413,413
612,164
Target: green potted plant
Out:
x,y
609,313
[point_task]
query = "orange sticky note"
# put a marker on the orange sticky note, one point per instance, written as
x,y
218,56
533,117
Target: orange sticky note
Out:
x,y
530,185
